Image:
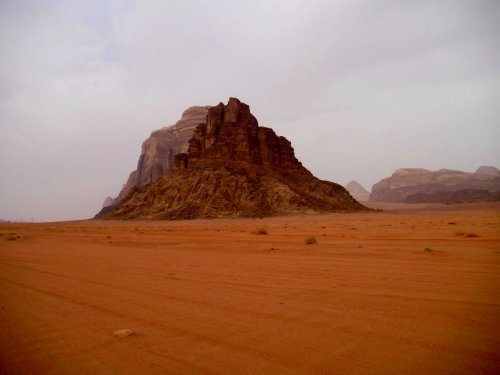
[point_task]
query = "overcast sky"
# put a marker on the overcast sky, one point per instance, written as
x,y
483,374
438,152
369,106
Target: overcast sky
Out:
x,y
361,88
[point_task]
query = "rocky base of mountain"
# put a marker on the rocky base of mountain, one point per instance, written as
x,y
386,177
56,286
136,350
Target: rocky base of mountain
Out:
x,y
233,191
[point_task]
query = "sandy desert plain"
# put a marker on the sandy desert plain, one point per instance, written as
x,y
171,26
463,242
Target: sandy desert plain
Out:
x,y
404,291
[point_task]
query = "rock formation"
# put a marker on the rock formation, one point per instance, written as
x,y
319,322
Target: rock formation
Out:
x,y
415,185
357,191
488,170
234,167
157,153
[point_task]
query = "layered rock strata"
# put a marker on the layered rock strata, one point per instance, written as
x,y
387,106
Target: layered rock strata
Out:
x,y
416,185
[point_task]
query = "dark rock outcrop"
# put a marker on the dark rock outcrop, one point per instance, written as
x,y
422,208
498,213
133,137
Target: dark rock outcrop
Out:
x,y
234,167
357,191
415,185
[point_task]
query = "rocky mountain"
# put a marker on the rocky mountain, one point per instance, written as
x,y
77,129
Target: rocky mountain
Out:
x,y
233,167
158,151
357,191
415,185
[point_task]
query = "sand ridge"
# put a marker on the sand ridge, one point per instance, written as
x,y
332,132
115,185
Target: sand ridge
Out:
x,y
390,292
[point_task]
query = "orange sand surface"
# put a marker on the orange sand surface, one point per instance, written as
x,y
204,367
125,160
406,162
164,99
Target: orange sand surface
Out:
x,y
407,291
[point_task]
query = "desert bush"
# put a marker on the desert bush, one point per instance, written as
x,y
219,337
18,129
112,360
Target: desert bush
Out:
x,y
428,249
466,234
310,240
260,231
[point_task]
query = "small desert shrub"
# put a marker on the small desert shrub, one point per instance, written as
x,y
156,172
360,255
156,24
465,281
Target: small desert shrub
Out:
x,y
260,231
310,240
466,234
428,249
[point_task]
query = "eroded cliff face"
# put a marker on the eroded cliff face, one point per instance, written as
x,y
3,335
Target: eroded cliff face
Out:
x,y
159,150
415,185
234,167
232,133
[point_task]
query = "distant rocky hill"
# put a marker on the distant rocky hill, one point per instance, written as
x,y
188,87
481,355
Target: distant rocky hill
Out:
x,y
488,170
158,151
415,185
357,191
233,167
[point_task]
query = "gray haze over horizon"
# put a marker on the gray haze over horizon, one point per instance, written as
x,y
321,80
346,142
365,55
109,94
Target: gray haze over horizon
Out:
x,y
360,88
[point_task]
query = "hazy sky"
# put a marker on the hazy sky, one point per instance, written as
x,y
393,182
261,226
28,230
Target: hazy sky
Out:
x,y
361,88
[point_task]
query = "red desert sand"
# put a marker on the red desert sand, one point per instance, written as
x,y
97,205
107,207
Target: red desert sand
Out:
x,y
406,291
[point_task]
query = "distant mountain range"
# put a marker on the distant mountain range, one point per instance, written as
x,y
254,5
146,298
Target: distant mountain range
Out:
x,y
416,185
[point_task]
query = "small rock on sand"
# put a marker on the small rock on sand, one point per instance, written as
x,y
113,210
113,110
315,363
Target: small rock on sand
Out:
x,y
122,333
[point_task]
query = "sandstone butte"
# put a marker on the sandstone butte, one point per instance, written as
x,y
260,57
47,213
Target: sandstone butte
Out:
x,y
232,168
